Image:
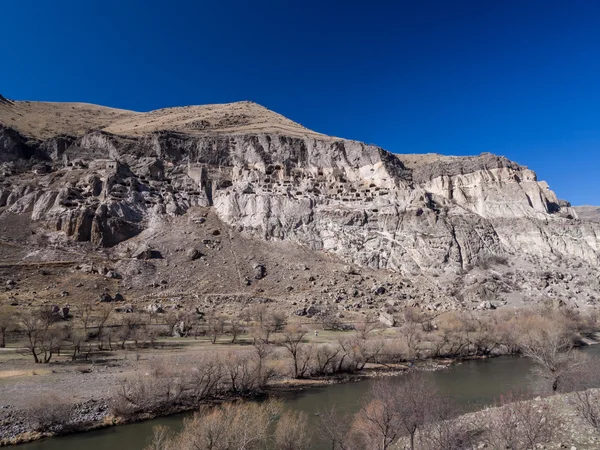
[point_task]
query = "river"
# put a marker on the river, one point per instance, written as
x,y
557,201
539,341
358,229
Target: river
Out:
x,y
473,384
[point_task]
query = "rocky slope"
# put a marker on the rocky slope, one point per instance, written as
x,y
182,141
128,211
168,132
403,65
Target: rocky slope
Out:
x,y
115,180
589,213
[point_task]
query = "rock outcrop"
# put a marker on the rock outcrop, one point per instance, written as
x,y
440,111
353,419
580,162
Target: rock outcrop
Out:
x,y
104,176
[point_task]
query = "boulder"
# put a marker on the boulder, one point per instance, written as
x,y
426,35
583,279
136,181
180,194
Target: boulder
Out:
x,y
379,290
106,298
155,308
387,319
193,254
144,251
260,271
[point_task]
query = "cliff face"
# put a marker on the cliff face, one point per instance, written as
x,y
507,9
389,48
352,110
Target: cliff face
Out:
x,y
106,178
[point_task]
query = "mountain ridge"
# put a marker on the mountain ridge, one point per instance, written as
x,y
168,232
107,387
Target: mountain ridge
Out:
x,y
265,178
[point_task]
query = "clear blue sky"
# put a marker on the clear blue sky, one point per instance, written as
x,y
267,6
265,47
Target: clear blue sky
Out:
x,y
515,77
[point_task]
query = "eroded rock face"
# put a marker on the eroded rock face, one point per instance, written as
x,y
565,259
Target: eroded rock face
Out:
x,y
357,201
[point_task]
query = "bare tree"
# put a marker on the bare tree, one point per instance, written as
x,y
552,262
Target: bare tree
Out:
x,y
44,339
366,326
235,328
326,359
396,408
267,322
101,317
129,324
550,347
206,377
262,351
78,338
162,439
85,313
586,399
587,406
215,327
7,321
292,431
521,425
333,427
293,341
50,413
232,426
33,328
448,434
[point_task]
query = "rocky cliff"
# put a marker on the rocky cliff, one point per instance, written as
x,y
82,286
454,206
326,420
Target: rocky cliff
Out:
x,y
105,176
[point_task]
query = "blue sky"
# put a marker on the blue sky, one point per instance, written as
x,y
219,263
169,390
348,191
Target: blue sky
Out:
x,y
520,78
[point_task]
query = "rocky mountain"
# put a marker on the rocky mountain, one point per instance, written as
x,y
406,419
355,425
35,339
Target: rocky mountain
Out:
x,y
426,230
589,213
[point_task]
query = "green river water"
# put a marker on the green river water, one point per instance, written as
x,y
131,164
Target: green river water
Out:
x,y
473,384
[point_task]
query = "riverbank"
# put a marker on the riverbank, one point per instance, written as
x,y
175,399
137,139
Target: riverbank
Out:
x,y
553,421
94,413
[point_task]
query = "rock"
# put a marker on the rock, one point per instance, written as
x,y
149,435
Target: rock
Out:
x,y
113,274
142,252
193,254
428,217
260,271
387,319
312,311
155,308
105,298
486,305
119,297
379,290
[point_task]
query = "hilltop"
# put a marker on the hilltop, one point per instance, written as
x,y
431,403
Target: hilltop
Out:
x,y
213,205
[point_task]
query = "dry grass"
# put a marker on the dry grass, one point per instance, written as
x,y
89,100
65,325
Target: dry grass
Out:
x,y
43,120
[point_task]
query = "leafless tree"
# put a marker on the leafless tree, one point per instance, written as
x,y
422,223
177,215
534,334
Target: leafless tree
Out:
x,y
394,409
215,327
44,339
293,341
448,434
550,347
262,351
127,325
162,439
292,431
587,406
206,377
326,359
267,322
101,317
78,338
366,327
586,398
232,426
521,425
333,428
50,413
235,328
85,313
7,322
155,392
356,352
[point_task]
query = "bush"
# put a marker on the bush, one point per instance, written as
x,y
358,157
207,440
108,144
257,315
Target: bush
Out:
x,y
51,414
